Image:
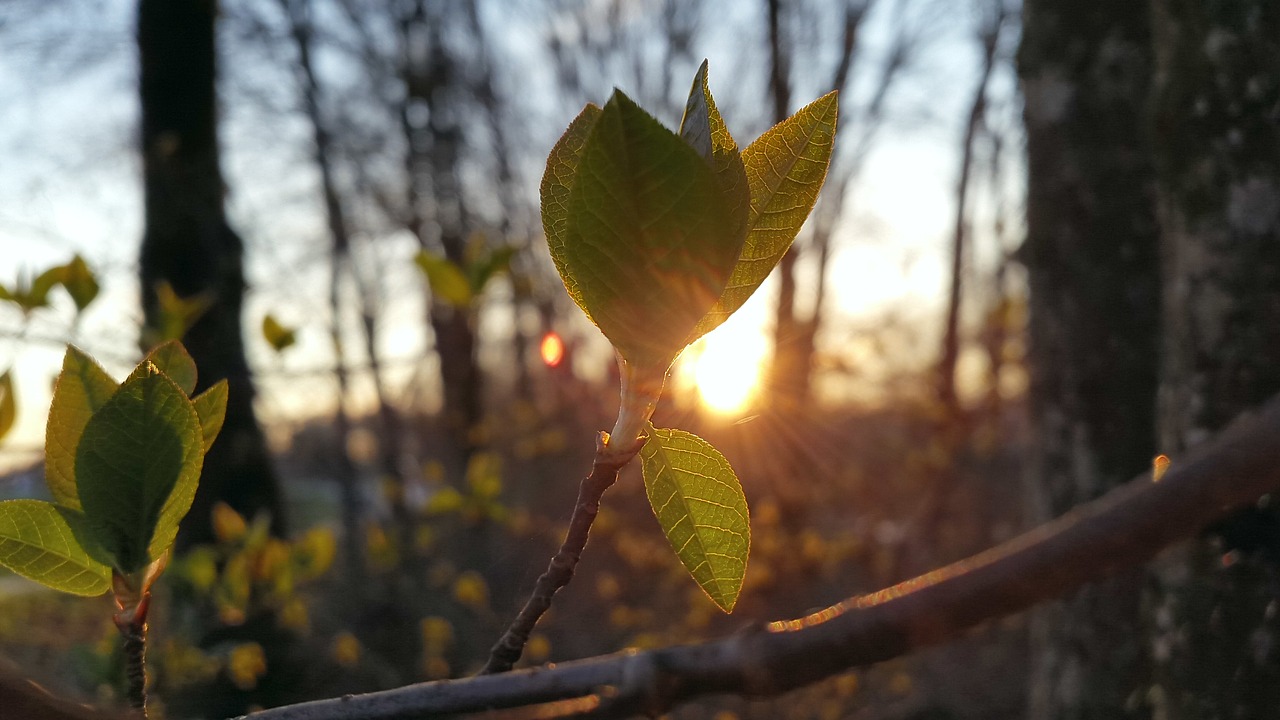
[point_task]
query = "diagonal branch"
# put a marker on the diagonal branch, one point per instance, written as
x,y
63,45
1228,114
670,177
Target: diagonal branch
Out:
x,y
604,473
1124,528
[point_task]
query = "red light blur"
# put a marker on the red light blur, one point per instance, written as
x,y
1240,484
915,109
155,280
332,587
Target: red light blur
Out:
x,y
552,349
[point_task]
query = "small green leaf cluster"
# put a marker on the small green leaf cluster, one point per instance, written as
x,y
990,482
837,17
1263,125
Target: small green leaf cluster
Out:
x,y
480,499
459,285
31,294
174,314
659,237
122,461
249,572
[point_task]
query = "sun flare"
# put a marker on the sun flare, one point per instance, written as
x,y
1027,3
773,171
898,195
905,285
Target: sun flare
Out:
x,y
727,369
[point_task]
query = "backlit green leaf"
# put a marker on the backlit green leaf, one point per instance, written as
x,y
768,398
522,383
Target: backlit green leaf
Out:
x,y
8,405
704,129
174,315
82,387
786,167
79,282
30,295
40,541
38,294
137,466
701,508
557,185
277,335
172,359
447,281
211,409
648,243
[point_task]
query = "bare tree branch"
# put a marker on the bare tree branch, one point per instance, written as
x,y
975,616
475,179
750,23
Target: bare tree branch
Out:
x,y
989,35
22,698
604,473
1124,528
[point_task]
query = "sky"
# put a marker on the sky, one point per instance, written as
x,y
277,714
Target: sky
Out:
x,y
70,183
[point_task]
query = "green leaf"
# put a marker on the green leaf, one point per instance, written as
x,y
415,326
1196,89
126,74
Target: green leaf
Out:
x,y
278,336
211,409
704,129
137,467
448,282
482,270
38,294
557,186
8,406
82,388
786,167
172,359
80,282
649,242
29,296
41,542
175,315
700,506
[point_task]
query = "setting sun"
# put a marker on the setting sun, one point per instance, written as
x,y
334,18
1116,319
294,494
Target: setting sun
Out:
x,y
726,370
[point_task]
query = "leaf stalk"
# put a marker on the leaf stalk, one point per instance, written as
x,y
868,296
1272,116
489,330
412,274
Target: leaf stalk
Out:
x,y
641,390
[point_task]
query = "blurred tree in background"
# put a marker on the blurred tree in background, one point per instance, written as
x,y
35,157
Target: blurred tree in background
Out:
x,y
191,260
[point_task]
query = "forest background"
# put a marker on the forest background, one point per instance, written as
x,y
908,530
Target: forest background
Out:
x,y
974,333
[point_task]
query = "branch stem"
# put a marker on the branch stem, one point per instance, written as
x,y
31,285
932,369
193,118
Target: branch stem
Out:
x,y
604,473
133,602
135,658
1122,529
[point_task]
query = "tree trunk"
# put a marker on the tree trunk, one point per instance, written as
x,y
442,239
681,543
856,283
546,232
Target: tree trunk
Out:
x,y
1091,255
950,356
786,381
430,74
1216,634
795,339
301,30
188,244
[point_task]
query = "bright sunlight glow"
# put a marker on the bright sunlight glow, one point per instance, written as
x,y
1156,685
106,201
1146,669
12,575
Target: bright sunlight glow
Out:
x,y
727,369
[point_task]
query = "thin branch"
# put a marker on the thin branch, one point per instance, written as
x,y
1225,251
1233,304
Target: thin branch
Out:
x,y
950,356
1124,528
135,658
604,473
22,698
131,620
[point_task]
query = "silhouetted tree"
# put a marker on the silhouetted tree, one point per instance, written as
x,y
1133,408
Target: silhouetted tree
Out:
x,y
189,245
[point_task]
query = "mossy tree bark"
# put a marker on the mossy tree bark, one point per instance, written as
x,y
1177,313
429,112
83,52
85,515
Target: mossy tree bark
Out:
x,y
1216,113
188,244
1091,255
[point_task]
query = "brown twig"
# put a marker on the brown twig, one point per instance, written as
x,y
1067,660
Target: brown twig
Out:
x,y
22,698
1124,528
131,620
604,473
135,658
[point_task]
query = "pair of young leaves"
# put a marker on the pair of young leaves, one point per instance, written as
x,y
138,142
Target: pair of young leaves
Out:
x,y
122,461
75,277
659,237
